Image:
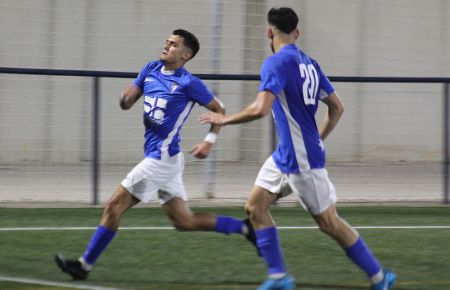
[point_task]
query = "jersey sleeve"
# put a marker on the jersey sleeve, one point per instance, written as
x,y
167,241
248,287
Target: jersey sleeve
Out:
x,y
139,81
325,86
270,78
199,92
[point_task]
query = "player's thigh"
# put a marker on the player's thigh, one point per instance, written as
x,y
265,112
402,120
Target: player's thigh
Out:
x,y
260,199
122,198
314,189
272,180
181,216
177,210
119,202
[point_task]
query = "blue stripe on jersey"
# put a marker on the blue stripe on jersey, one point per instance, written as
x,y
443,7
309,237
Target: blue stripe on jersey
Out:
x,y
298,83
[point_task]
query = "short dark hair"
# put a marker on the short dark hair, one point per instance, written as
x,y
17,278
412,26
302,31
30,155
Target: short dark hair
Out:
x,y
189,40
284,18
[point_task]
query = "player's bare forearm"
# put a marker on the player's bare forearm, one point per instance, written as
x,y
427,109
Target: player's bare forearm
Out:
x,y
129,96
259,108
202,149
248,114
126,102
215,106
332,116
331,119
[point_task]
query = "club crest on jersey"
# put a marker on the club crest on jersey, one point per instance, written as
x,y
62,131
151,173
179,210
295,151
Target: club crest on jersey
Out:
x,y
173,88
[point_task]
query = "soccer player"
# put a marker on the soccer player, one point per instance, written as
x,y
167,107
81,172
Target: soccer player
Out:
x,y
291,85
170,92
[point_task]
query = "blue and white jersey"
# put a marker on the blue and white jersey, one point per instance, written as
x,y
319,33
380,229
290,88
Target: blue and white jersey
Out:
x,y
169,97
298,83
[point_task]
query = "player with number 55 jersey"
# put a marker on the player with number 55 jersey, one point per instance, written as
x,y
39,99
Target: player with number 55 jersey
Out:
x,y
170,92
169,96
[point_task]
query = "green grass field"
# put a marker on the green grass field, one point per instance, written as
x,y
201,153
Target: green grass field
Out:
x,y
167,259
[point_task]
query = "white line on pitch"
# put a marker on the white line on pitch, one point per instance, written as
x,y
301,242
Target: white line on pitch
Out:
x,y
52,283
77,228
373,227
171,228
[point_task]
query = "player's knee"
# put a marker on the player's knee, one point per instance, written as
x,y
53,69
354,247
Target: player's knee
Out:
x,y
111,210
325,228
180,226
248,209
328,226
183,224
252,210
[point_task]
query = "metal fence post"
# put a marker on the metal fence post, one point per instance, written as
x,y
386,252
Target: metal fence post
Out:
x,y
209,173
95,139
446,143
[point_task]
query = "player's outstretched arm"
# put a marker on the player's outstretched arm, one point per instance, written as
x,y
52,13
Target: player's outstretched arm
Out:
x,y
129,96
202,149
333,114
259,108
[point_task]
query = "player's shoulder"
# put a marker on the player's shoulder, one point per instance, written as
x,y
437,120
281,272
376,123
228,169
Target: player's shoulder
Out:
x,y
189,78
307,58
272,63
154,65
283,56
274,58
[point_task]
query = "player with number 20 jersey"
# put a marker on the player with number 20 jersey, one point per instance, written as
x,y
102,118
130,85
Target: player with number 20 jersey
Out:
x,y
291,85
294,107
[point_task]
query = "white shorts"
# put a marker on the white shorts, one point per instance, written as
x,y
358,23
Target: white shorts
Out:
x,y
162,177
312,187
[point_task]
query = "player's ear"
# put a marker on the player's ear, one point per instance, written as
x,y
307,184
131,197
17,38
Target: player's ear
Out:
x,y
270,32
187,55
296,33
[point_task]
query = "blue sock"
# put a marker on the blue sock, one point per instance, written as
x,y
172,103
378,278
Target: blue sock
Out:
x,y
270,248
99,241
361,255
228,225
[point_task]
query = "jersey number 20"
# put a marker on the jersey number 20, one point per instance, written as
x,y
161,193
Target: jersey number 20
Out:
x,y
310,83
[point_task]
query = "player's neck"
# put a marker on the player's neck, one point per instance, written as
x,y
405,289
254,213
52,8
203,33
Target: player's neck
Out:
x,y
280,40
172,66
278,44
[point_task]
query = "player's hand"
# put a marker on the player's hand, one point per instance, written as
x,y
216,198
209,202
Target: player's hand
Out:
x,y
212,118
201,150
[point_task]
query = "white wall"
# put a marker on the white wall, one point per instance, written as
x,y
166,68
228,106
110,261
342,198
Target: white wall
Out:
x,y
48,118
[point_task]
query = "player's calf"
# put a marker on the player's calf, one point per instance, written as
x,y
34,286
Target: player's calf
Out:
x,y
250,235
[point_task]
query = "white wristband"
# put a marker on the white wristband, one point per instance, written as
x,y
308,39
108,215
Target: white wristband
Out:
x,y
211,137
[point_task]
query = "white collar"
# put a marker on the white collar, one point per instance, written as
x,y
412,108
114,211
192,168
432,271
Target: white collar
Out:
x,y
167,72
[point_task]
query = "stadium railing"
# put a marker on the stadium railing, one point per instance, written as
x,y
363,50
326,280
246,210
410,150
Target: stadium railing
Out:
x,y
97,75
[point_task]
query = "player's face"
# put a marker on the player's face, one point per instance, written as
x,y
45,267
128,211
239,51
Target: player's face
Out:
x,y
174,52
